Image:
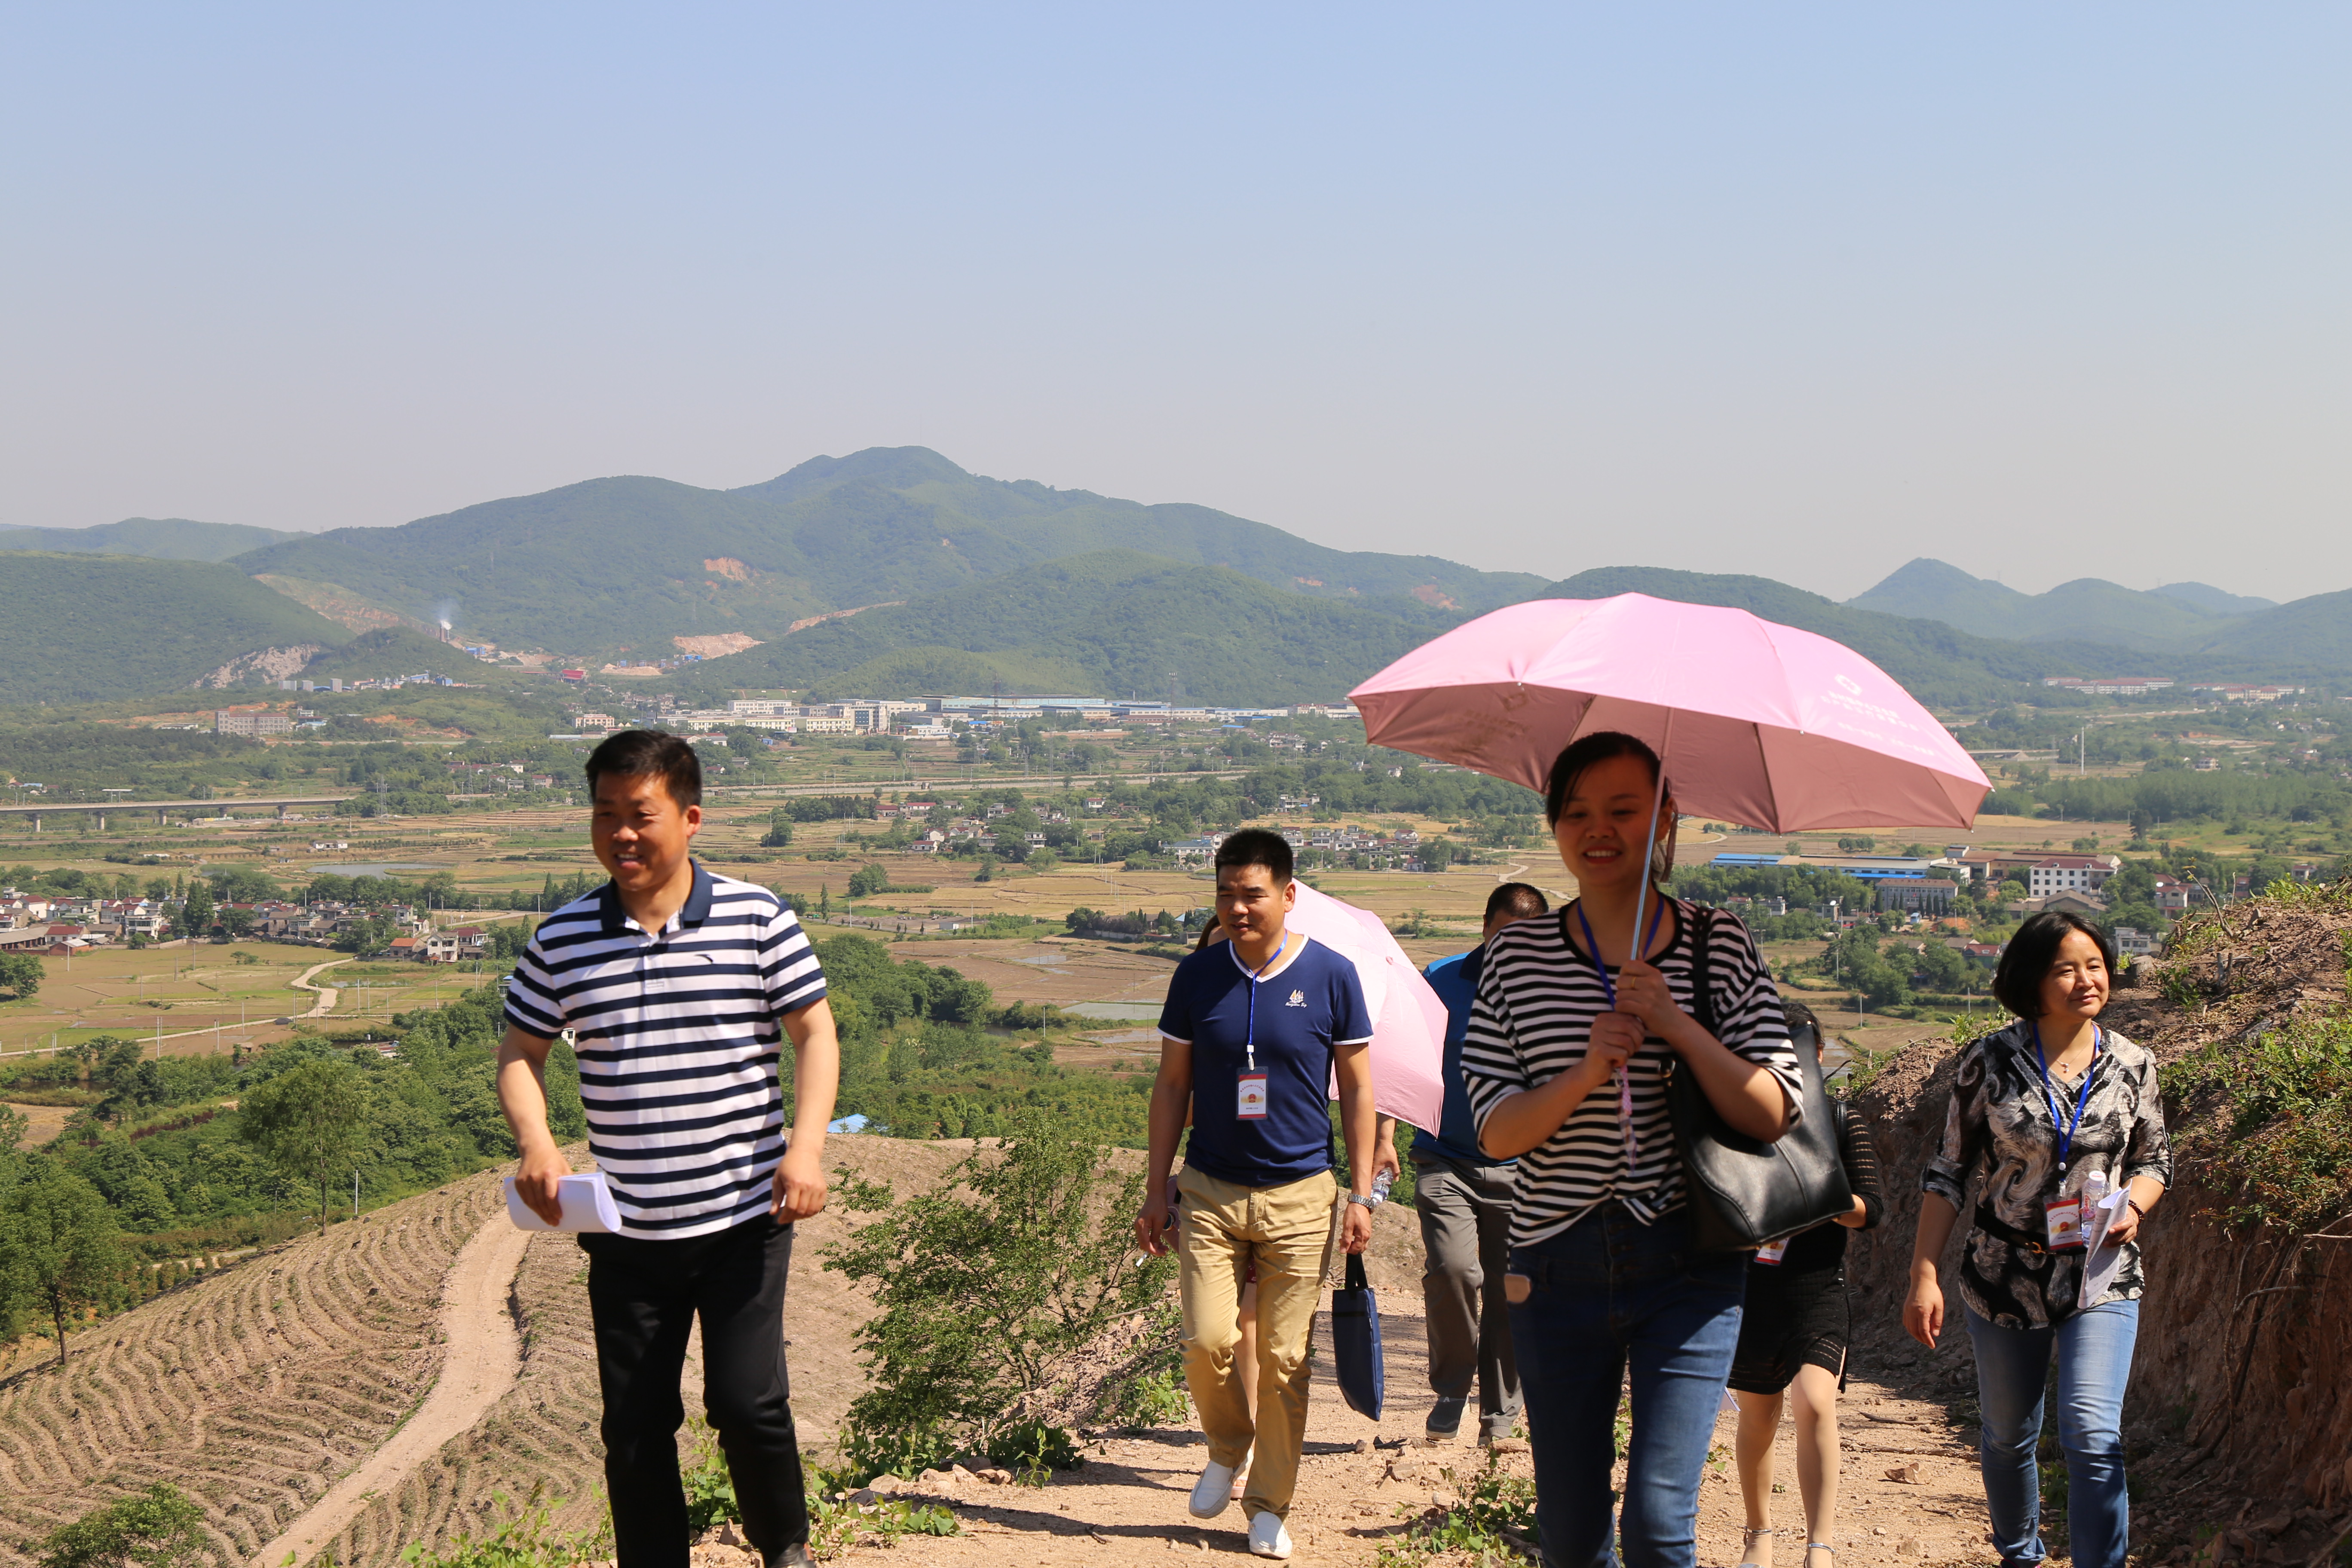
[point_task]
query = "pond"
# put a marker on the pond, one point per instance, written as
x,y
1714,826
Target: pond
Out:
x,y
374,868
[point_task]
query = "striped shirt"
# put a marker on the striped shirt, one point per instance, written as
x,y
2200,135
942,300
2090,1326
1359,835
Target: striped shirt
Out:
x,y
1534,1013
679,1040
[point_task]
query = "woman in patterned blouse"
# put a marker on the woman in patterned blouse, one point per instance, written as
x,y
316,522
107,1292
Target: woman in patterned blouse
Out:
x,y
2053,1110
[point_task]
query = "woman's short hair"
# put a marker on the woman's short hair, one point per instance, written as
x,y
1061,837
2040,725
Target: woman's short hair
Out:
x,y
2025,962
1599,747
1804,1025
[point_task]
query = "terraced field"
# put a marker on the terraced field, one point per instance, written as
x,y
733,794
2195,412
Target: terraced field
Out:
x,y
542,1435
251,1390
258,1390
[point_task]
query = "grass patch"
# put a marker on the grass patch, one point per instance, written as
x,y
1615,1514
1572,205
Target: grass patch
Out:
x,y
2273,1123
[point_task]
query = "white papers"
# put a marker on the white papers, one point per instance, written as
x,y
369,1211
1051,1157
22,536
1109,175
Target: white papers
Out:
x,y
2100,1261
587,1205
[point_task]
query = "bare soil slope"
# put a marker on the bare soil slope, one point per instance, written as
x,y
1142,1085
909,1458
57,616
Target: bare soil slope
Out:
x,y
252,1390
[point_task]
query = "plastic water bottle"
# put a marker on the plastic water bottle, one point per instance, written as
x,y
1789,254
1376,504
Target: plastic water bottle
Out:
x,y
1380,1185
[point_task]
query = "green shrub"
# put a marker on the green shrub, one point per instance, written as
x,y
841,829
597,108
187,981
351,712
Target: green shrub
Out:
x,y
526,1540
158,1528
1149,1399
1494,1520
1032,1447
987,1285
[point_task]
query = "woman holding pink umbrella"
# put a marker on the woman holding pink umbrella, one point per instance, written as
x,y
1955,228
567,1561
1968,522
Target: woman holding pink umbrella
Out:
x,y
1579,1016
1577,1021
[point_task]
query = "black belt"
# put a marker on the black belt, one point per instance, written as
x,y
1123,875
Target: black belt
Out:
x,y
1991,1225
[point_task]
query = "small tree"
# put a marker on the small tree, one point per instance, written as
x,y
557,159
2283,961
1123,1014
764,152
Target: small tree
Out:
x,y
988,1284
59,1247
309,1121
196,912
780,829
159,1528
21,973
868,880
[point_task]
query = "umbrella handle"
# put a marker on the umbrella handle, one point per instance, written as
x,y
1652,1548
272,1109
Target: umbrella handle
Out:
x,y
1650,850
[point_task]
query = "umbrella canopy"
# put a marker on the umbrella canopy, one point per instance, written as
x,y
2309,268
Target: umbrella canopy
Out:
x,y
1408,1020
1759,723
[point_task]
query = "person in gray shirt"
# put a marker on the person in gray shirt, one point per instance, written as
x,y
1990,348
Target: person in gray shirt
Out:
x,y
1463,1198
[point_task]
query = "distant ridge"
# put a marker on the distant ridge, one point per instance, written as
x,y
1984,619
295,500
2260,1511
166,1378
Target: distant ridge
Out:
x,y
1936,663
161,538
631,563
2214,601
2088,609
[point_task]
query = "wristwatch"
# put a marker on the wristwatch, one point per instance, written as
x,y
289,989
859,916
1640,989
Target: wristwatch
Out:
x,y
1370,1202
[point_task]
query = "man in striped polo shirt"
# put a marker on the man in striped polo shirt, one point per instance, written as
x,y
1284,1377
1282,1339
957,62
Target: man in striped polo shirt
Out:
x,y
680,987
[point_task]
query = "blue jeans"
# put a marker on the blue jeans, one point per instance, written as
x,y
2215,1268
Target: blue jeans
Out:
x,y
1606,1292
2095,1356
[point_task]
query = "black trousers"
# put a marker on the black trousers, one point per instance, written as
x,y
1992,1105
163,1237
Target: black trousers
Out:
x,y
644,1296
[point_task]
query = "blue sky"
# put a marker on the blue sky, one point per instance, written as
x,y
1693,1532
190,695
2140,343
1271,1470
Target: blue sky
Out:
x,y
2046,293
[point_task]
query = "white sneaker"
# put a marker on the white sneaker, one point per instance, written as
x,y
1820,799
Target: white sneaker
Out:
x,y
1267,1537
1213,1492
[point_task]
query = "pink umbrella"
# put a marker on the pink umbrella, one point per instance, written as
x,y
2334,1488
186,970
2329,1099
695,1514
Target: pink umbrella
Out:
x,y
1408,1020
1760,724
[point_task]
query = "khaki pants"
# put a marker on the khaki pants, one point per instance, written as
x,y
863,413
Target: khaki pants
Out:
x,y
1287,1231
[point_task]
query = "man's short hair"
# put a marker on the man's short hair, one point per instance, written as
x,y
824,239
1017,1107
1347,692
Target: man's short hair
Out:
x,y
1519,900
1257,846
2025,962
634,754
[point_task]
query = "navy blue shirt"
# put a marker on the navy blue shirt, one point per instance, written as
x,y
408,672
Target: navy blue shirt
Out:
x,y
1456,980
1303,1009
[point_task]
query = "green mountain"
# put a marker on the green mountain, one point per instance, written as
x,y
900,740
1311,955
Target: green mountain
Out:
x,y
2088,609
1111,623
2213,601
164,538
2308,639
632,564
82,628
1936,663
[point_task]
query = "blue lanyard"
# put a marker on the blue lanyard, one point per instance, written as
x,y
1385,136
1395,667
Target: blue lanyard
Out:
x,y
2067,1129
1609,989
1250,1045
1592,947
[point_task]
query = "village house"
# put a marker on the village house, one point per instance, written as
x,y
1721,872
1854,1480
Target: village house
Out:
x,y
2062,873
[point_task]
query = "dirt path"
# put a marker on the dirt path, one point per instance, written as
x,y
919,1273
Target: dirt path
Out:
x,y
327,994
479,1358
1126,1504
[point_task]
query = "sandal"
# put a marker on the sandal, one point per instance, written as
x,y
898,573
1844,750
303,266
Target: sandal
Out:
x,y
1813,1546
1749,1538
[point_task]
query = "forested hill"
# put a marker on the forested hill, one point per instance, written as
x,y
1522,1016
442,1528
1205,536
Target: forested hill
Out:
x,y
1114,622
164,538
89,628
644,560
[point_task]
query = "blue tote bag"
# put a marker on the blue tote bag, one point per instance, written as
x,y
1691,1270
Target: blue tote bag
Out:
x,y
1356,1341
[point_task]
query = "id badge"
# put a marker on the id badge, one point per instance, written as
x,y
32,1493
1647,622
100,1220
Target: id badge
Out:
x,y
1251,1104
1771,1252
2065,1220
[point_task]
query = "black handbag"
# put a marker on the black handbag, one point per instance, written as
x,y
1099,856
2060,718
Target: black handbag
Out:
x,y
1744,1192
1356,1343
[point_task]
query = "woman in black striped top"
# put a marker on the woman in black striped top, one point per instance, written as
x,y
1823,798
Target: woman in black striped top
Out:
x,y
1570,1046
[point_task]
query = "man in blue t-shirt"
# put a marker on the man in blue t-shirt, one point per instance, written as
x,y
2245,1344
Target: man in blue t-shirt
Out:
x,y
1463,1198
1255,1030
